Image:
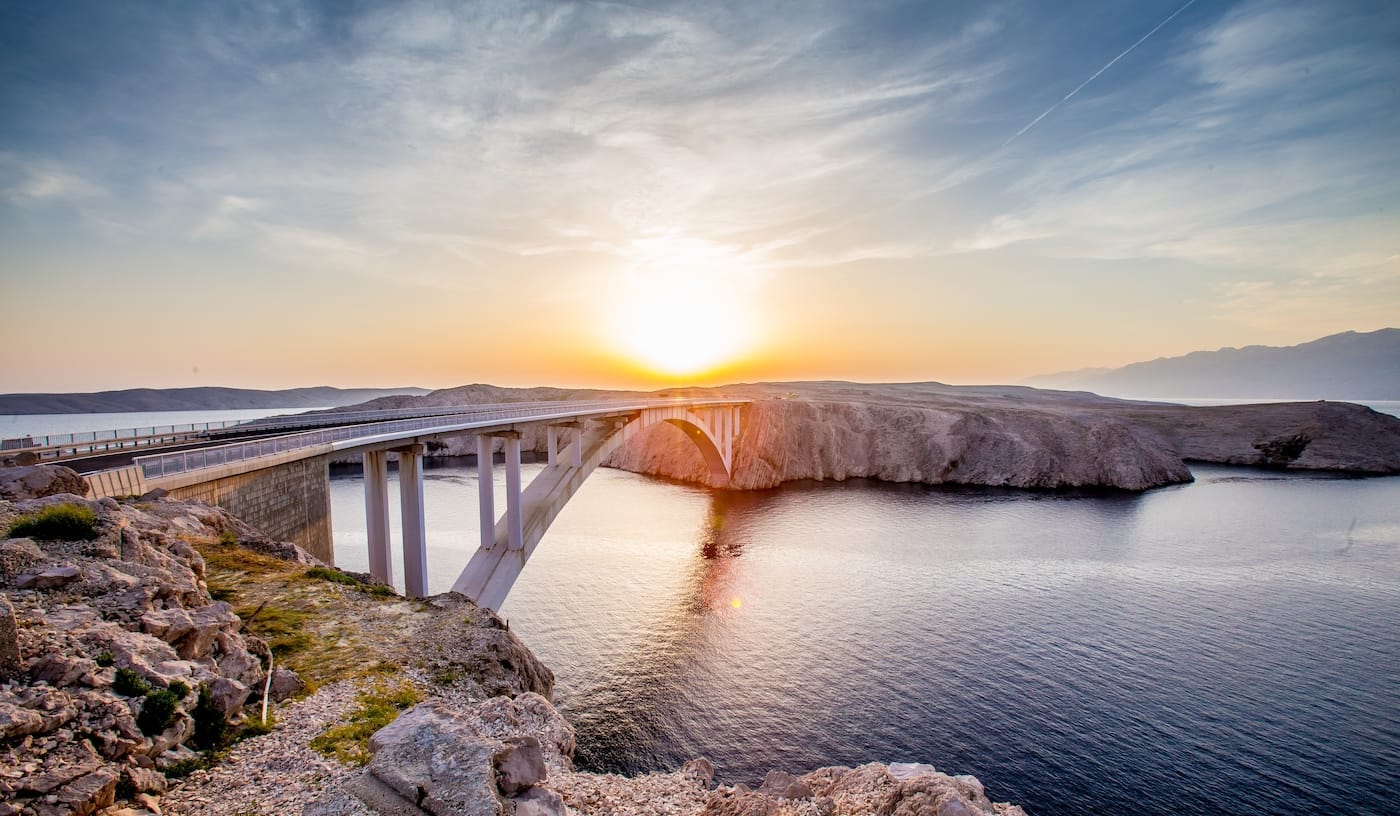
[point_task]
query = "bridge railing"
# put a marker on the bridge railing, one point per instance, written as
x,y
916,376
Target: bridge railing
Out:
x,y
169,464
83,438
58,446
281,422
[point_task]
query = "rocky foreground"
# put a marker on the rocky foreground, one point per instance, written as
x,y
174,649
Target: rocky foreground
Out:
x,y
1006,436
138,639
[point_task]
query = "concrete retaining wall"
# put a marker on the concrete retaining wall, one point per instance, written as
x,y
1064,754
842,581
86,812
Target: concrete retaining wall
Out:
x,y
290,502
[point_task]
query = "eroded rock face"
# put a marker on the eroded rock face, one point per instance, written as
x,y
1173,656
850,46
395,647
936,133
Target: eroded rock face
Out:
x,y
1013,437
131,599
788,440
463,643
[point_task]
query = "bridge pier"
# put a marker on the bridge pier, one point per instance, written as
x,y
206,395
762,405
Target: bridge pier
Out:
x,y
486,489
415,544
515,514
381,562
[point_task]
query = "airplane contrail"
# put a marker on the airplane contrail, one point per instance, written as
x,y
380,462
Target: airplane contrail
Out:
x,y
1069,95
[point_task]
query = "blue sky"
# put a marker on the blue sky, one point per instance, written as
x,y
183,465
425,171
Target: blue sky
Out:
x,y
588,193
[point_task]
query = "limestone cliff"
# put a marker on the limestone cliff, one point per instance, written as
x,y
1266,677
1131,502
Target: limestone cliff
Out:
x,y
787,440
1015,437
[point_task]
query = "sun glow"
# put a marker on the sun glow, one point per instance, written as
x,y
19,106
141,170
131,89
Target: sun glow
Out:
x,y
684,310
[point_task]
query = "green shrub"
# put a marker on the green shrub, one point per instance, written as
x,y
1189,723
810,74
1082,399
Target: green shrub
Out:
x,y
335,576
130,684
178,688
58,522
210,727
227,539
185,767
256,728
157,712
106,659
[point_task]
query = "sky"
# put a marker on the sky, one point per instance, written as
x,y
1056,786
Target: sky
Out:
x,y
638,194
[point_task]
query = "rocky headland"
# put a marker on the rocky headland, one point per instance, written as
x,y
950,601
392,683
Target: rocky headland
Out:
x,y
1005,436
139,640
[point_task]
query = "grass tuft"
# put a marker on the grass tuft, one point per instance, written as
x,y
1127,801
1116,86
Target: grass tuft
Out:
x,y
377,706
58,522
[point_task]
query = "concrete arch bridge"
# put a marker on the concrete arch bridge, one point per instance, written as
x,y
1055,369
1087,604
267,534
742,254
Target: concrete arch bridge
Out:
x,y
281,484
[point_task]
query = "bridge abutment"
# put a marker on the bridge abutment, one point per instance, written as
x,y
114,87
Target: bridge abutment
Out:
x,y
289,502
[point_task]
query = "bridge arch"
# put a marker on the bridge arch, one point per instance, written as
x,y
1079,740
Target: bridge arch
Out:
x,y
492,570
709,447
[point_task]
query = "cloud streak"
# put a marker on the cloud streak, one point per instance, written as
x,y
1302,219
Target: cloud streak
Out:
x,y
1067,97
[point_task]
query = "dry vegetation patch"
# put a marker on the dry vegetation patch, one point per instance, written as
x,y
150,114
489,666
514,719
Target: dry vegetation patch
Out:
x,y
323,624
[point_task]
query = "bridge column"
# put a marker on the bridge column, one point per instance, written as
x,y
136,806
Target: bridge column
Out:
x,y
515,515
415,545
731,413
381,564
486,487
575,438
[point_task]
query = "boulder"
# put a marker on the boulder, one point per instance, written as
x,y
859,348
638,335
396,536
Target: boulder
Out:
x,y
285,683
229,696
540,802
38,481
91,792
435,760
519,765
529,715
701,770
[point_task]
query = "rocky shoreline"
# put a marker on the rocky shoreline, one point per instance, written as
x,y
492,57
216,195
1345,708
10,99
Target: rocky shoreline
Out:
x,y
138,638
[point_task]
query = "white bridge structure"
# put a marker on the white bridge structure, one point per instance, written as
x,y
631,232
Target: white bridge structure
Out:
x,y
263,477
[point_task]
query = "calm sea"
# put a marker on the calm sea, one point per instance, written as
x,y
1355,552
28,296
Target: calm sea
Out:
x,y
1232,645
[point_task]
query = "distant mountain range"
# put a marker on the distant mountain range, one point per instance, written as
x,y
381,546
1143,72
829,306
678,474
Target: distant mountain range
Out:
x,y
192,399
1347,366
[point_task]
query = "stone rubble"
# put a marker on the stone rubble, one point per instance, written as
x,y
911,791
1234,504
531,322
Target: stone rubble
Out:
x,y
75,614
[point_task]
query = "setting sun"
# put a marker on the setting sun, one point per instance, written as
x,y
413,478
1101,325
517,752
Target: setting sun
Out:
x,y
683,312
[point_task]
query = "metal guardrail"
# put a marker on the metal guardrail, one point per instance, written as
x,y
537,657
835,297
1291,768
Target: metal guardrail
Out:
x,y
59,446
124,434
169,464
347,417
